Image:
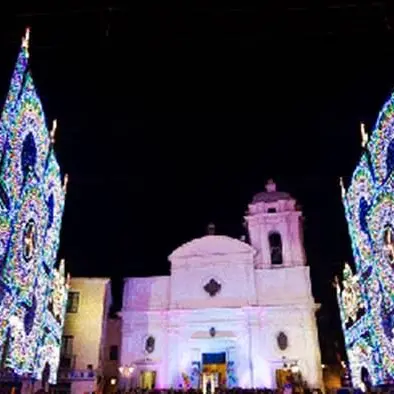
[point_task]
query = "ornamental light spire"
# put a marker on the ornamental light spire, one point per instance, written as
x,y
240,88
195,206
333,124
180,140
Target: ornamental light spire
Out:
x,y
65,183
62,268
32,210
343,190
15,89
53,131
26,41
364,135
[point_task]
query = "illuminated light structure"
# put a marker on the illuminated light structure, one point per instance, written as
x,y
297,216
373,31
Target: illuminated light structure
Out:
x,y
366,299
33,293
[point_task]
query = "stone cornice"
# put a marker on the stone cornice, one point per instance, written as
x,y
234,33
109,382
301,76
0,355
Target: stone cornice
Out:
x,y
233,259
263,217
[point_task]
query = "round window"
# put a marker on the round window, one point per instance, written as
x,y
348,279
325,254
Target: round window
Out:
x,y
150,344
282,341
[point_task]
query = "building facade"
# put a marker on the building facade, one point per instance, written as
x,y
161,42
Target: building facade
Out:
x,y
111,357
33,289
230,313
83,351
366,297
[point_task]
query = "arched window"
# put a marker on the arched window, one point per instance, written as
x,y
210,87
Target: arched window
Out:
x,y
275,242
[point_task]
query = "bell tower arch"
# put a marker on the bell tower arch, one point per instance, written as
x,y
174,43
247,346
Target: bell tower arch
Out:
x,y
275,229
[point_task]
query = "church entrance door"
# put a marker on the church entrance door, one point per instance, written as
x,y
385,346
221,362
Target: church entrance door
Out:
x,y
283,377
209,382
214,369
148,380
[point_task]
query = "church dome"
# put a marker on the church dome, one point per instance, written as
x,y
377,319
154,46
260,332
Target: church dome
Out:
x,y
211,245
271,194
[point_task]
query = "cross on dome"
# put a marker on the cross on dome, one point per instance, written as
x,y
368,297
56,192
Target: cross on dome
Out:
x,y
211,229
271,194
270,187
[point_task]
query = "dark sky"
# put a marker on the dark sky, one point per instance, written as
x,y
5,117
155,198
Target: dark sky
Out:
x,y
174,116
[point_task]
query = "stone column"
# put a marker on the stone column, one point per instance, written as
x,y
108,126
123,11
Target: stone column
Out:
x,y
312,355
232,375
173,357
254,344
255,239
204,384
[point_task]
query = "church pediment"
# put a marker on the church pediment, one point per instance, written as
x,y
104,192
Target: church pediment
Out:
x,y
212,245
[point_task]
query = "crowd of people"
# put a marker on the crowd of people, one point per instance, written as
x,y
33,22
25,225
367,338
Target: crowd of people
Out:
x,y
285,390
255,391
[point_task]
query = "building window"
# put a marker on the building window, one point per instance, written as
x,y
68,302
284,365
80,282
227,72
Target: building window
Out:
x,y
113,353
212,287
282,341
73,302
271,210
67,345
275,242
150,344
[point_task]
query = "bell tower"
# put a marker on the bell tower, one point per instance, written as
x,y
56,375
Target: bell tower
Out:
x,y
275,229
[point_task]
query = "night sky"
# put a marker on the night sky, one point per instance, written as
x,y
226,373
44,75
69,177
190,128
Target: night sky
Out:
x,y
171,117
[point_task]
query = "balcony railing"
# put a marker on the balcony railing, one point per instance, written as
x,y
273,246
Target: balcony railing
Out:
x,y
77,374
68,371
7,375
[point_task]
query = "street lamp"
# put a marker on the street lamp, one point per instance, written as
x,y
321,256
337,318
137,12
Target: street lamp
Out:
x,y
295,368
290,366
126,371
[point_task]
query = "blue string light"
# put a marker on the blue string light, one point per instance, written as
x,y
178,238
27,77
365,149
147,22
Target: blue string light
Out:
x,y
369,210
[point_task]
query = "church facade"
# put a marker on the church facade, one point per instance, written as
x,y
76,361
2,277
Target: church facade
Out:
x,y
239,314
